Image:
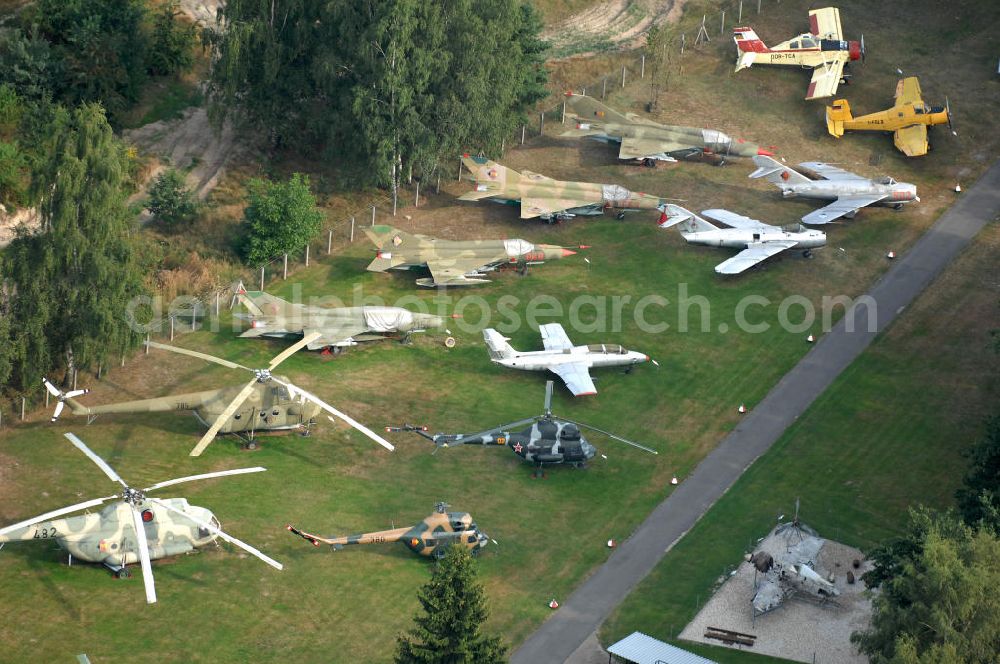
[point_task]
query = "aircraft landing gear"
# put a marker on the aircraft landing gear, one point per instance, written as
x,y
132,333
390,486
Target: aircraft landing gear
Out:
x,y
628,370
538,473
620,216
897,207
807,254
405,340
649,162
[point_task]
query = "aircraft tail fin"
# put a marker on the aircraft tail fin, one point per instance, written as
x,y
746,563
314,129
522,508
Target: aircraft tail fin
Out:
x,y
748,44
685,220
488,174
263,305
836,115
497,345
587,109
776,172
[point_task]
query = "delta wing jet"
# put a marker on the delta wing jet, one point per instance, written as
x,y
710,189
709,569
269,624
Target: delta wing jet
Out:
x,y
822,49
548,199
849,192
569,362
646,141
758,240
455,262
336,327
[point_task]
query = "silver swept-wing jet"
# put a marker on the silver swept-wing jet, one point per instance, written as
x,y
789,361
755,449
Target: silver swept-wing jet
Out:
x,y
569,362
848,191
758,240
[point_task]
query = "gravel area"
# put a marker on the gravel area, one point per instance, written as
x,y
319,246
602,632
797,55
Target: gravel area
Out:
x,y
800,629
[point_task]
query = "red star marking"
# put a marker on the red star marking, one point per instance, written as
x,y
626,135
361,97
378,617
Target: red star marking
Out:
x,y
518,447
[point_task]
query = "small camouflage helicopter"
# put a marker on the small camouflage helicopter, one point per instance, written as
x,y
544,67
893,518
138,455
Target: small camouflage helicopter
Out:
x,y
549,440
267,403
430,537
135,528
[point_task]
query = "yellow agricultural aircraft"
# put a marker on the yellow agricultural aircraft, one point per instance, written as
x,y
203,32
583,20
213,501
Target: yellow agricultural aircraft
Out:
x,y
823,49
908,119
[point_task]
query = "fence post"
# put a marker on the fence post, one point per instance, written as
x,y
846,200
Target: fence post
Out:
x,y
642,66
722,25
416,198
541,122
1,419
47,398
604,89
23,400
123,363
194,310
682,44
352,233
459,176
623,76
284,274
307,255
100,370
562,120
739,13
171,327
523,127
395,197
758,6
216,304
146,349
373,215
76,374
262,277
437,189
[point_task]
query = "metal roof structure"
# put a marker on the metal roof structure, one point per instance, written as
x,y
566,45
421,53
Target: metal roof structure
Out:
x,y
642,649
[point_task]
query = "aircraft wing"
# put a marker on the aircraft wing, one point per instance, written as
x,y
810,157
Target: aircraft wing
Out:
x,y
912,140
640,148
908,91
753,254
825,23
576,375
825,79
829,172
453,271
734,220
554,337
840,207
536,207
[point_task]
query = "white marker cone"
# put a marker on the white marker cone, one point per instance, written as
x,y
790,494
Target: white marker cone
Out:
x,y
612,544
891,255
958,189
673,480
742,409
810,338
553,604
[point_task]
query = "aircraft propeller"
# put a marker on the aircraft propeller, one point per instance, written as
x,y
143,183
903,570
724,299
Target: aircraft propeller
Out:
x,y
136,497
264,376
863,52
61,397
947,110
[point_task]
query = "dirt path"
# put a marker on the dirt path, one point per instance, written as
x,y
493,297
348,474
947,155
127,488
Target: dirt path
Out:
x,y
610,25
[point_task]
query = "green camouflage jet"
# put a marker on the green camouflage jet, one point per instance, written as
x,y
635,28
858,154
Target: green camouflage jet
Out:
x,y
337,327
548,199
644,140
455,262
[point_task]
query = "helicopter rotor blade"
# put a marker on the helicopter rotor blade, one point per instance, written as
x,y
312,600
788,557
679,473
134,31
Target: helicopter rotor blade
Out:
x,y
59,409
548,397
519,423
218,532
202,356
223,417
611,435
143,546
204,476
101,463
53,390
343,416
294,348
54,513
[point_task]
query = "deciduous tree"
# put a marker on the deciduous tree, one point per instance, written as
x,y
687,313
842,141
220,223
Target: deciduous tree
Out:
x,y
280,216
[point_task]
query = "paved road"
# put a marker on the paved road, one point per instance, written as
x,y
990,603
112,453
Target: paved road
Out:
x,y
584,611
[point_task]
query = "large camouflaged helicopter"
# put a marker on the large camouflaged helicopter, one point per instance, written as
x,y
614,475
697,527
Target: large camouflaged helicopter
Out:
x,y
136,528
267,403
430,537
550,439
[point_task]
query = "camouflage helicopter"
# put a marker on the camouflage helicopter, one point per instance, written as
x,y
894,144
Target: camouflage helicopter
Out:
x,y
430,537
267,403
135,528
550,439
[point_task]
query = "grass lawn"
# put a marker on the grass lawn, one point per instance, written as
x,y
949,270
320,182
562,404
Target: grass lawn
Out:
x,y
887,435
350,605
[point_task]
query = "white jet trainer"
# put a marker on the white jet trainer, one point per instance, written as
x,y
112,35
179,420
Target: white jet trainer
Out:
x,y
849,192
757,239
569,362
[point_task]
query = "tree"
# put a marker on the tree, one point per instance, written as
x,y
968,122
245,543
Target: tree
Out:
x,y
941,604
73,278
658,46
30,68
172,42
979,496
170,201
280,218
449,631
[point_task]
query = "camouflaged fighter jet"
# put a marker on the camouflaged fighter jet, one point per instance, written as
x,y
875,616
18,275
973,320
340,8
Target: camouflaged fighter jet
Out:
x,y
267,403
849,192
550,439
569,362
548,199
430,537
646,141
758,240
137,528
455,262
338,327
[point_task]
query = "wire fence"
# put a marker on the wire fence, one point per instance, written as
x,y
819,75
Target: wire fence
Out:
x,y
188,315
